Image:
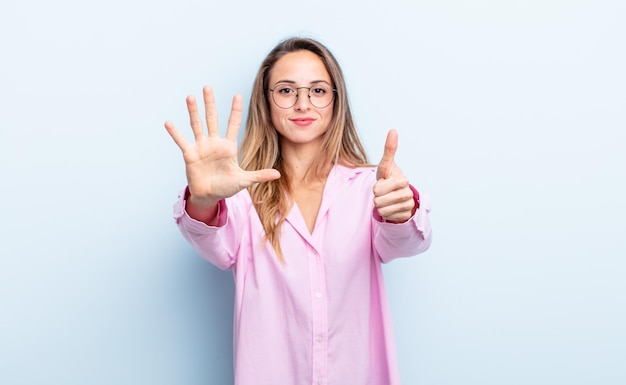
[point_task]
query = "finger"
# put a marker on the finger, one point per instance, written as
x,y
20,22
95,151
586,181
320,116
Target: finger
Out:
x,y
386,186
386,163
194,117
234,121
395,214
394,197
265,175
396,210
210,111
178,138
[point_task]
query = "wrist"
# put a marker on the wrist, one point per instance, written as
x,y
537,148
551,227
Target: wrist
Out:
x,y
203,210
200,202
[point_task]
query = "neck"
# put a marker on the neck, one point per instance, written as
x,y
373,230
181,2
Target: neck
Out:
x,y
305,172
298,159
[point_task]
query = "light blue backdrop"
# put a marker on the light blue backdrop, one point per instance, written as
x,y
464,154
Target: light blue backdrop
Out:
x,y
510,115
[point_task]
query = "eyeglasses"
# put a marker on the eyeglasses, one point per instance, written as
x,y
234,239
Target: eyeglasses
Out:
x,y
320,95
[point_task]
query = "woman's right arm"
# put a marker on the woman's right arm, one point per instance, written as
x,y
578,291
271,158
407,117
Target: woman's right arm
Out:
x,y
213,174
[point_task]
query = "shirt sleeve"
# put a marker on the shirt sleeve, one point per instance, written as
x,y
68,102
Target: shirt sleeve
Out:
x,y
217,244
398,240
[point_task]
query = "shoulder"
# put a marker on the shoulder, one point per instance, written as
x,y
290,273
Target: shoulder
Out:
x,y
358,177
352,179
242,200
357,172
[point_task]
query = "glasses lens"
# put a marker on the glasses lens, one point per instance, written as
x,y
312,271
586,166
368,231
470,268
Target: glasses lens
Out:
x,y
320,95
284,96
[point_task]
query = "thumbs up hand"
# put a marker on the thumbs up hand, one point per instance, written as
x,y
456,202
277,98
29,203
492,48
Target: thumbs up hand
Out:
x,y
393,198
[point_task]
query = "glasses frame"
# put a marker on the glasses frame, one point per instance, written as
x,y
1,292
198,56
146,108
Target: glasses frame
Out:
x,y
333,90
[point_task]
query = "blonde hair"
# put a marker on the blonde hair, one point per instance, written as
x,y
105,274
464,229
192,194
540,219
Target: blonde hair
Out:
x,y
260,147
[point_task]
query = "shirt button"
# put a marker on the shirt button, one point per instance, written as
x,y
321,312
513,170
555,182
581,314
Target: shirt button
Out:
x,y
319,338
318,295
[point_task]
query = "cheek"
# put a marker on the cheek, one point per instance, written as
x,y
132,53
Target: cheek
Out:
x,y
328,115
277,121
276,118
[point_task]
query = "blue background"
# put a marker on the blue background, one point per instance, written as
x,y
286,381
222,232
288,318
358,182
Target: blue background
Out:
x,y
510,115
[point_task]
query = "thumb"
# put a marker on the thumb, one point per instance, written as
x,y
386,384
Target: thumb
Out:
x,y
386,163
259,176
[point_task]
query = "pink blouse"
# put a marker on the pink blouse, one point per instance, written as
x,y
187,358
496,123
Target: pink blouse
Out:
x,y
322,317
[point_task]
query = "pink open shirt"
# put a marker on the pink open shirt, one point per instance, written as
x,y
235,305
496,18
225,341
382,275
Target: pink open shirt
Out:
x,y
323,317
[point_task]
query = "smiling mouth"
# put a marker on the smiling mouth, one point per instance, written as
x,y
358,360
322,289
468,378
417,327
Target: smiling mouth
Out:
x,y
303,121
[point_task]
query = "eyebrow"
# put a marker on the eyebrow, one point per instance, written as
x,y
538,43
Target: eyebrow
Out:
x,y
311,82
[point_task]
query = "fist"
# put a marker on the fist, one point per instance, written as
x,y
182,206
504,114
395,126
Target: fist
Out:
x,y
393,197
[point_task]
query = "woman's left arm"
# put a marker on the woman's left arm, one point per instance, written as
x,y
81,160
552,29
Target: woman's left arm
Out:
x,y
402,227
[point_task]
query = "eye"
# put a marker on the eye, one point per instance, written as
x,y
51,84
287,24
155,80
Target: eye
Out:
x,y
284,90
319,91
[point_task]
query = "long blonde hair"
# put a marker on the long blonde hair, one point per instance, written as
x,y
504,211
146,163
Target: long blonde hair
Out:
x,y
260,147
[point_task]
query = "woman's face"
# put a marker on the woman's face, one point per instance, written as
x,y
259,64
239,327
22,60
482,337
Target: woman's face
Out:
x,y
303,123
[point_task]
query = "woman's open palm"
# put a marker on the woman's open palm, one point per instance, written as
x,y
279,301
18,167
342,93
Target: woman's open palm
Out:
x,y
211,162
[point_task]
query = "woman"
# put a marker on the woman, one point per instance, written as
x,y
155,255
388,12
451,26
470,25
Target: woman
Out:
x,y
304,223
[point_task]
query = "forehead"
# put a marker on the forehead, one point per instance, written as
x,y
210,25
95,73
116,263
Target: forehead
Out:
x,y
300,67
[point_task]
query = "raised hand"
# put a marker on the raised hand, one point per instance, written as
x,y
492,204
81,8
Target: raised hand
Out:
x,y
392,195
211,162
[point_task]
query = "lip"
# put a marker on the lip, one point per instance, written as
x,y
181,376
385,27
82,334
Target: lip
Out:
x,y
303,121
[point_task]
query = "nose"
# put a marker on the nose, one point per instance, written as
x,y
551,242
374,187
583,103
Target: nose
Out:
x,y
303,102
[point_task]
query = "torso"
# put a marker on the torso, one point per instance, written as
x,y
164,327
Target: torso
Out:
x,y
308,197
